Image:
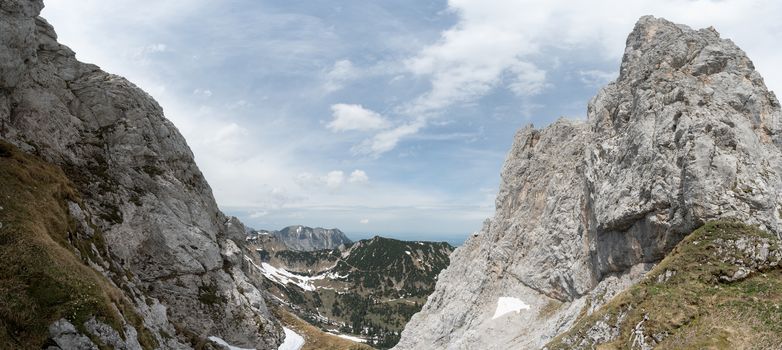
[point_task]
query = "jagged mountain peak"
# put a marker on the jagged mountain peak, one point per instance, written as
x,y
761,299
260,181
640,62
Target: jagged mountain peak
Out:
x,y
302,238
687,134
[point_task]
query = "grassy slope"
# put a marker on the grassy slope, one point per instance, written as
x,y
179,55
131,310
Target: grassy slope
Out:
x,y
315,339
382,260
41,277
695,308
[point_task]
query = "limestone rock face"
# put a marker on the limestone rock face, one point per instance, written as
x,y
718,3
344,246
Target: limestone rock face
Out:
x,y
688,133
142,189
308,239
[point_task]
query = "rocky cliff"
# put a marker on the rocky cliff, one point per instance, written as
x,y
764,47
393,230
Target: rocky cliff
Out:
x,y
307,238
687,134
141,213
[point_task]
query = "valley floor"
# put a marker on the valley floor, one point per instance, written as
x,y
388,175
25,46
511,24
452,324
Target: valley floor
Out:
x,y
312,337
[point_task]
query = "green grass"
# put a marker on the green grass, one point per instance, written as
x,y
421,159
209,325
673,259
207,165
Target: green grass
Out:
x,y
695,308
41,278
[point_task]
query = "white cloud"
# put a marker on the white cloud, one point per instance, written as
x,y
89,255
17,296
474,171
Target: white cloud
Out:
x,y
528,79
334,179
358,176
348,117
342,72
203,93
467,62
497,36
387,140
154,48
309,186
364,221
227,132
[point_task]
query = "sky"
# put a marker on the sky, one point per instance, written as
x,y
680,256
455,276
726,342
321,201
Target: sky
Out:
x,y
375,117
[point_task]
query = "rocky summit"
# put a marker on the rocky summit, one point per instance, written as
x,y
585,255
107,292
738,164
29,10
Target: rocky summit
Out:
x,y
687,134
302,238
112,186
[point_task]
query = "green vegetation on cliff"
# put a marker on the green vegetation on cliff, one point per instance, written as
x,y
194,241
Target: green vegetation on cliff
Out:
x,y
394,268
720,288
45,274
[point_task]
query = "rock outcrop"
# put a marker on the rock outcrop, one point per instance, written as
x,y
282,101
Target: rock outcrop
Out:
x,y
308,239
163,240
688,133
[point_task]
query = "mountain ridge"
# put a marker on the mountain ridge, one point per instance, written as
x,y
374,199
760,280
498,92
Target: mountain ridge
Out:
x,y
142,216
687,134
366,289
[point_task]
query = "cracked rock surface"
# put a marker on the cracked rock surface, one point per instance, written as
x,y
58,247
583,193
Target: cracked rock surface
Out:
x,y
688,133
141,188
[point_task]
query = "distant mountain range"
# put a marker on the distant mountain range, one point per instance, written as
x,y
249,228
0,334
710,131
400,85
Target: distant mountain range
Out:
x,y
301,238
368,289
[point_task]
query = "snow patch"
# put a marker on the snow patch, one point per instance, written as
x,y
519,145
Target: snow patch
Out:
x,y
293,341
285,277
352,338
507,305
225,344
335,275
348,337
282,276
407,252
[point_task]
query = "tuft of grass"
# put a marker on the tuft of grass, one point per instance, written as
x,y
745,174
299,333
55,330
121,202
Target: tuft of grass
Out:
x,y
549,309
41,277
208,295
693,308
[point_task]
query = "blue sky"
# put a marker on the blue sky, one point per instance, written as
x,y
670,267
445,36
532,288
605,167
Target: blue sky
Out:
x,y
376,117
